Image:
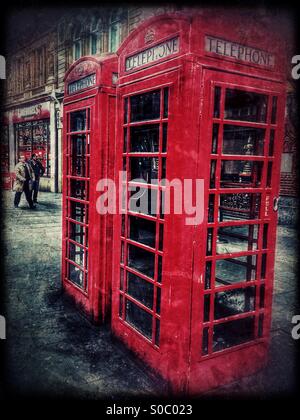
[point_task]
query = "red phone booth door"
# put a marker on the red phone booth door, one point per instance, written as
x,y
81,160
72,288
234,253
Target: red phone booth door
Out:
x,y
76,194
234,260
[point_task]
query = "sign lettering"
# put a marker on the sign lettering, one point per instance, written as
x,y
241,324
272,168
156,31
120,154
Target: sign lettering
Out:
x,y
239,52
83,83
155,53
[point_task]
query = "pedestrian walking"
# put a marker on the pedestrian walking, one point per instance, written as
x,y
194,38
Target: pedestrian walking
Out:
x,y
23,182
38,170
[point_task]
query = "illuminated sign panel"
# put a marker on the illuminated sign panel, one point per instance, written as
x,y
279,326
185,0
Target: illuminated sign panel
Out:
x,y
153,54
83,83
239,51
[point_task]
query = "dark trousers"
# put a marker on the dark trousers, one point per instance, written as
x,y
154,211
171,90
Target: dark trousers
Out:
x,y
35,190
27,193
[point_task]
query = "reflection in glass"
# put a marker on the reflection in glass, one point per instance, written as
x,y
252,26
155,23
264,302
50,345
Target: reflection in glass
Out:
x,y
145,106
239,173
217,102
166,102
238,140
144,138
237,239
234,302
143,200
78,155
233,333
75,275
139,318
78,189
141,260
239,206
235,270
144,169
78,121
214,147
76,254
140,289
77,232
245,106
142,230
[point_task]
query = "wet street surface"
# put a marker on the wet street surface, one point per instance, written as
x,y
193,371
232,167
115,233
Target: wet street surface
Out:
x,y
51,349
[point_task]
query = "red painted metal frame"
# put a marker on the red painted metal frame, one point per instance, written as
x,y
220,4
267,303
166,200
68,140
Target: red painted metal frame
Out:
x,y
94,298
191,75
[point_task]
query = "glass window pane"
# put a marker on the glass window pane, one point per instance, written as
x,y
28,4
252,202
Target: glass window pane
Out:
x,y
238,140
157,332
215,134
141,260
240,173
245,106
145,106
237,239
144,139
76,254
234,302
274,110
205,341
78,189
139,319
143,200
142,230
217,102
78,155
76,275
78,212
144,169
233,333
140,289
240,206
166,102
78,121
165,137
235,270
77,233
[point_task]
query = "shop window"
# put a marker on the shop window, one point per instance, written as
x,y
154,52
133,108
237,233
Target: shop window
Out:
x,y
34,137
4,149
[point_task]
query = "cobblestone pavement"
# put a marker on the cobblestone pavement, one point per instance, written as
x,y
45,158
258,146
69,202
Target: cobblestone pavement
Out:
x,y
52,349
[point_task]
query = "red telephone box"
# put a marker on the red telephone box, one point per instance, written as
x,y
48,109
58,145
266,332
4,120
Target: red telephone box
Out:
x,y
199,98
88,150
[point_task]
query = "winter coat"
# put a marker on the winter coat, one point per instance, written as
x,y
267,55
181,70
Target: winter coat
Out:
x,y
37,168
21,174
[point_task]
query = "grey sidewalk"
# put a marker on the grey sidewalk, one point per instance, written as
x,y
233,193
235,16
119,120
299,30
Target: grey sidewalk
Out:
x,y
53,349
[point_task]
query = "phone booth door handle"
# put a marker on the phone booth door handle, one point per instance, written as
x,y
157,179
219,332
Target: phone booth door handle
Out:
x,y
275,203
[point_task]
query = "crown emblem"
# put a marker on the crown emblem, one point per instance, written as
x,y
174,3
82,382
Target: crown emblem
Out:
x,y
149,36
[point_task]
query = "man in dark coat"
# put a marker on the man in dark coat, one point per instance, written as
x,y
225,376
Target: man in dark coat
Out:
x,y
24,179
38,170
